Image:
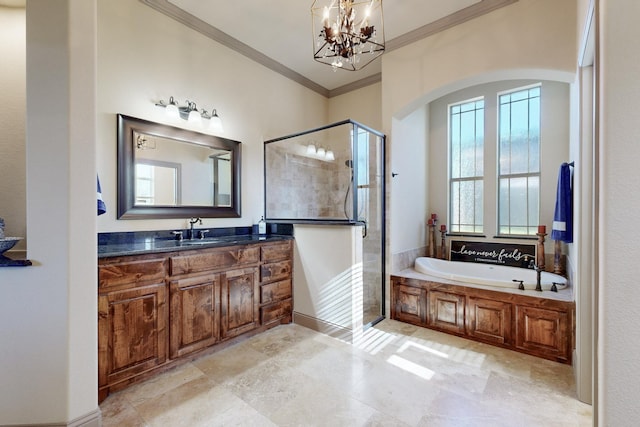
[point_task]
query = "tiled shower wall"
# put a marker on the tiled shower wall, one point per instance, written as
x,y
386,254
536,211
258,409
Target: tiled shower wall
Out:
x,y
303,187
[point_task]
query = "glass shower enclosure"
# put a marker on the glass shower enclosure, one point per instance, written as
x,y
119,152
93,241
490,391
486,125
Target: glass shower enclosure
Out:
x,y
332,176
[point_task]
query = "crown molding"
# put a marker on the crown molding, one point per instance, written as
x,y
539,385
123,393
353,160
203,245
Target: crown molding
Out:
x,y
478,9
463,15
225,39
375,78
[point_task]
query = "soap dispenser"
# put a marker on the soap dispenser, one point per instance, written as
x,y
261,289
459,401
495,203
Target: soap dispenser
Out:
x,y
262,226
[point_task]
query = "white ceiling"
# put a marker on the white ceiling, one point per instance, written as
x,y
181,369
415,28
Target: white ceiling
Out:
x,y
281,29
278,34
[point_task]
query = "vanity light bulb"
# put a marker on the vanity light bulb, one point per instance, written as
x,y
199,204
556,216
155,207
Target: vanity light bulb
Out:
x,y
311,149
172,111
215,123
321,152
194,117
330,156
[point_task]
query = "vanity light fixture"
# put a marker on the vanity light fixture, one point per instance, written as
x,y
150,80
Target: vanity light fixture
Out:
x,y
320,152
215,122
142,143
190,113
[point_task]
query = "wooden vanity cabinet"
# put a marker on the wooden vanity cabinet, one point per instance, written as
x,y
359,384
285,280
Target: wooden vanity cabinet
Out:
x,y
276,291
409,304
446,311
132,318
194,313
543,332
489,320
240,306
156,310
534,325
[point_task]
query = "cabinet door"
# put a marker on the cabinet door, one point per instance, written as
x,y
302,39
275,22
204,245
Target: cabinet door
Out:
x,y
240,301
543,332
489,320
410,304
446,311
132,334
194,314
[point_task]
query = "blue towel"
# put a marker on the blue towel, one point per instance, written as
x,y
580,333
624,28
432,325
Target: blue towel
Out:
x,y
102,208
563,217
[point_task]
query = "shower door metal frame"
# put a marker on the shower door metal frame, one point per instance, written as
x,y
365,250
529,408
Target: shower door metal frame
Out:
x,y
354,188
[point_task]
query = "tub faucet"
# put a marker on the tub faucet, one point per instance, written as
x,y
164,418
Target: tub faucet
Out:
x,y
192,221
538,270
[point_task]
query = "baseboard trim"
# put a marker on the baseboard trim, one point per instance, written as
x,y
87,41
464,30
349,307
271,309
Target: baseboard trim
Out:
x,y
322,326
91,419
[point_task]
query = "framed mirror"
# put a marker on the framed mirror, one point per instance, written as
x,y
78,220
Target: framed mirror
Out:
x,y
168,172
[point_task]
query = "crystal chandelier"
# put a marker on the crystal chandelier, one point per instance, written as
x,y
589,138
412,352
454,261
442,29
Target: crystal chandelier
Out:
x,y
348,34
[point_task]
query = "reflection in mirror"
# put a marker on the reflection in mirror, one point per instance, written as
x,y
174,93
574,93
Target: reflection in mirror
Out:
x,y
158,183
166,172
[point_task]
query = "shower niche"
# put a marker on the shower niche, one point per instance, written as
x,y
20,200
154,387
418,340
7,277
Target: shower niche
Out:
x,y
333,176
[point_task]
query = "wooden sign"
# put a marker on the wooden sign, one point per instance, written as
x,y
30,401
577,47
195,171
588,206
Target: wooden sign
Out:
x,y
508,254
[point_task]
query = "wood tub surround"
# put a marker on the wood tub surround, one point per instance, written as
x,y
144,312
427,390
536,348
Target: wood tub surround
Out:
x,y
529,324
158,310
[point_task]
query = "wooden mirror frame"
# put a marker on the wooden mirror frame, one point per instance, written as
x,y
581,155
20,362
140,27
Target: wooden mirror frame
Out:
x,y
127,209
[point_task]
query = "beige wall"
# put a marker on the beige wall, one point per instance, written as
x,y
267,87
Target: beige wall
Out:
x,y
142,58
362,105
539,42
48,312
554,148
12,122
618,336
540,45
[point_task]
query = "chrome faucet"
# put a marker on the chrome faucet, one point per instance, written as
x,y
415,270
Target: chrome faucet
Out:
x,y
192,221
538,270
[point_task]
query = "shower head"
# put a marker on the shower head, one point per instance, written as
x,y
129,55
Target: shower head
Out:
x,y
349,163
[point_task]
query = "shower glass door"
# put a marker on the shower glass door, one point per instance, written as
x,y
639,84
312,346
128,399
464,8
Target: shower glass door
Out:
x,y
368,149
333,175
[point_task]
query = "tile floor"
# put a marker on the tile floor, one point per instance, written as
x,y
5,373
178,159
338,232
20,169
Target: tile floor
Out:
x,y
394,375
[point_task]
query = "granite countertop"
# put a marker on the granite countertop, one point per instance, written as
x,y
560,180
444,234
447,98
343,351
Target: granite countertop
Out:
x,y
146,245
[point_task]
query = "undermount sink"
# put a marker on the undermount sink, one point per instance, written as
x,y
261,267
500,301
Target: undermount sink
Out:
x,y
200,242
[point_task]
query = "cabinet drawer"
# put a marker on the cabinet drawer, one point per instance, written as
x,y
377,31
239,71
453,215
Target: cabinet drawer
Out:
x,y
276,252
275,271
272,312
212,260
276,291
131,272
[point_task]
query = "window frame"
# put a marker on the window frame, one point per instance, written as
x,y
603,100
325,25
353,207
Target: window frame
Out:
x,y
531,228
478,228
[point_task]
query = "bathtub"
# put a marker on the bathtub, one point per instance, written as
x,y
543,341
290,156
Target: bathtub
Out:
x,y
486,274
